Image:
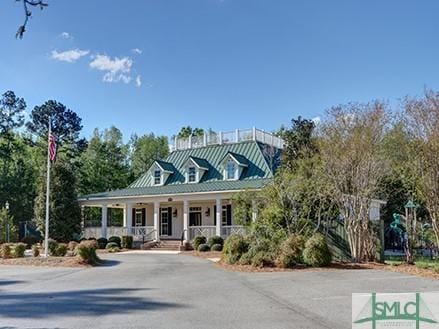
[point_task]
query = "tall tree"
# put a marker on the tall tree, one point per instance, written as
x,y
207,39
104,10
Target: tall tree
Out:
x,y
65,213
299,142
145,150
352,163
104,164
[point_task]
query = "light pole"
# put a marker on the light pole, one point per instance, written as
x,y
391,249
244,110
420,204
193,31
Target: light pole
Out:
x,y
7,222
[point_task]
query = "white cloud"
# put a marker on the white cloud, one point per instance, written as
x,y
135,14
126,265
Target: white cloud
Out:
x,y
136,50
70,56
66,35
138,81
116,69
316,120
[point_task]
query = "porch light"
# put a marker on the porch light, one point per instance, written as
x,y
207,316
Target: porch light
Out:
x,y
207,213
174,212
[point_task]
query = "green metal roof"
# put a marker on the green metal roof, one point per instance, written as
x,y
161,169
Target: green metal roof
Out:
x,y
256,174
242,161
166,166
201,163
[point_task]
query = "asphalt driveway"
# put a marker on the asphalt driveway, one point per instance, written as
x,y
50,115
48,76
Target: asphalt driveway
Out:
x,y
176,291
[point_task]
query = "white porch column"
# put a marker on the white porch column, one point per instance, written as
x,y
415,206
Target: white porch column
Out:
x,y
104,221
254,211
128,217
219,210
186,219
156,220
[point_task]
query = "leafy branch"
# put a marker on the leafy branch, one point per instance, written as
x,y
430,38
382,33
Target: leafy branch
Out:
x,y
28,13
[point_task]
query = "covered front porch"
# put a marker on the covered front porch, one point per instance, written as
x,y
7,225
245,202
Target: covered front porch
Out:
x,y
149,219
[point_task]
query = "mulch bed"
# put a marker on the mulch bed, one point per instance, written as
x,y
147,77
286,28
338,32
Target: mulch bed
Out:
x,y
41,261
403,268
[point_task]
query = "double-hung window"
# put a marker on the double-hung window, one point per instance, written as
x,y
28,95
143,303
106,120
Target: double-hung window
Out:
x,y
192,174
157,177
230,169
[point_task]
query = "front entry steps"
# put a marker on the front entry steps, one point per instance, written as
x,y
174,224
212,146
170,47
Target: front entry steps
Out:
x,y
163,245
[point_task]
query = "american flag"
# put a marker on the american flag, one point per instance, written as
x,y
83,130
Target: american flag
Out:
x,y
52,147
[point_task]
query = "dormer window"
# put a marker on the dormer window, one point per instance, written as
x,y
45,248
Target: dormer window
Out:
x,y
157,177
195,169
160,171
233,165
230,169
192,174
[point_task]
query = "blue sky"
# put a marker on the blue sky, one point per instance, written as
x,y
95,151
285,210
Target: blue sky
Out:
x,y
154,66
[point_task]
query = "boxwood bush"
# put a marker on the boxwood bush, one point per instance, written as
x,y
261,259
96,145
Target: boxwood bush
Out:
x,y
115,239
203,247
216,247
61,250
102,242
53,246
234,247
18,249
215,240
316,252
111,245
86,251
127,241
199,239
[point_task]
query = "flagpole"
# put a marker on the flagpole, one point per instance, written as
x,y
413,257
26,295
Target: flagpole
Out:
x,y
46,232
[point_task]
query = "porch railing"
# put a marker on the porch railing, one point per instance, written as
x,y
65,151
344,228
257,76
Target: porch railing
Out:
x,y
206,231
232,229
143,233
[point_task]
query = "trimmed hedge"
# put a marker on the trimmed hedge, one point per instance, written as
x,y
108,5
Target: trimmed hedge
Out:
x,y
35,250
216,247
102,242
127,241
86,251
234,247
291,252
199,239
203,247
215,240
111,245
316,252
18,250
115,239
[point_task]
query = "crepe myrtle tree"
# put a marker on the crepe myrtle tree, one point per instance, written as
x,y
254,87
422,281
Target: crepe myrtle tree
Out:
x,y
351,160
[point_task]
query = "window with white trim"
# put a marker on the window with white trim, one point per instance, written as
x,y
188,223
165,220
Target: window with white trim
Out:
x,y
230,169
157,177
195,216
138,217
192,174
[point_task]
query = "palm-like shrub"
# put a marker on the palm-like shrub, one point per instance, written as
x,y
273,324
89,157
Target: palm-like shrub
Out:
x,y
86,251
35,250
316,252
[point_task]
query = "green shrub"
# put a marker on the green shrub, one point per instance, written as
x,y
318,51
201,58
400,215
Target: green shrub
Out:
x,y
102,242
111,245
72,245
234,247
53,246
257,245
18,250
263,259
86,251
215,240
291,252
316,252
199,239
30,240
216,247
203,247
115,239
35,250
115,249
127,241
61,250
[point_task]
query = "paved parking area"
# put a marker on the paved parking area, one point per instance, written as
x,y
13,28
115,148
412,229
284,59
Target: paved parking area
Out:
x,y
178,291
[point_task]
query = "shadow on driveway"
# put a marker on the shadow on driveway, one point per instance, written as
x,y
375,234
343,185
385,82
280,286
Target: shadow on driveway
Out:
x,y
78,302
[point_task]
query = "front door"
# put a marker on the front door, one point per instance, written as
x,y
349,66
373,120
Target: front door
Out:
x,y
166,221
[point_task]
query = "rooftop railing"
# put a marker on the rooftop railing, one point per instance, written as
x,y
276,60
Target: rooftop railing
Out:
x,y
229,137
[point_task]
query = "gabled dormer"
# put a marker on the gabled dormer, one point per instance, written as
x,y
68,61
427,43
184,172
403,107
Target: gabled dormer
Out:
x,y
195,169
160,171
233,164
